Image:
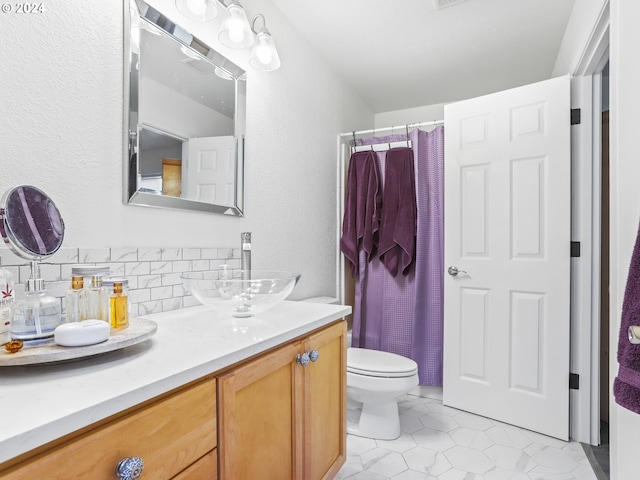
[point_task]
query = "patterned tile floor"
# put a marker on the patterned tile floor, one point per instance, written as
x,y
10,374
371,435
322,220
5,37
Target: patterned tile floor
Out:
x,y
442,443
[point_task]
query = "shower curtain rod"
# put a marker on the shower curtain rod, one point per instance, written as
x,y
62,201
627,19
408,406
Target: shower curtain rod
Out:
x,y
386,129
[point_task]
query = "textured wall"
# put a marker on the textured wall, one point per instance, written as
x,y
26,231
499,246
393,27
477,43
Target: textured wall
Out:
x,y
61,93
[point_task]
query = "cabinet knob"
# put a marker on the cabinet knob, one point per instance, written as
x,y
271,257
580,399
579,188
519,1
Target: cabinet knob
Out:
x,y
130,468
303,359
314,355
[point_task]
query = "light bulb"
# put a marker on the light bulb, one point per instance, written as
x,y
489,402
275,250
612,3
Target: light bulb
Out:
x,y
198,7
264,54
236,32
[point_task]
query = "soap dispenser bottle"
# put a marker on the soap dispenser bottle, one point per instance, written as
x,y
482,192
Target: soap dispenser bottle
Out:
x,y
36,315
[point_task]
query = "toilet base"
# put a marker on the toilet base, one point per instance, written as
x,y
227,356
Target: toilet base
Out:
x,y
377,419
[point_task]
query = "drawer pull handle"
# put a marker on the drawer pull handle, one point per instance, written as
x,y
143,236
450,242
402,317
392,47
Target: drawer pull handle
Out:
x,y
303,359
130,468
314,355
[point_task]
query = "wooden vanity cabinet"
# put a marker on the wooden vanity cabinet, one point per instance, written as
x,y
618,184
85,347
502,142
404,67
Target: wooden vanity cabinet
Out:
x,y
280,420
268,418
175,436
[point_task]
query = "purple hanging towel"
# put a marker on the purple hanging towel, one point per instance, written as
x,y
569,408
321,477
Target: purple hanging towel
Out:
x,y
361,219
398,223
626,386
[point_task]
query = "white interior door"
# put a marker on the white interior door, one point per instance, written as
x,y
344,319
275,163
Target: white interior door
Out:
x,y
507,226
210,171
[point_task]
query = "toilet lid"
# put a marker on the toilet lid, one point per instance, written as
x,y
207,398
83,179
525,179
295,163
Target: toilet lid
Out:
x,y
375,363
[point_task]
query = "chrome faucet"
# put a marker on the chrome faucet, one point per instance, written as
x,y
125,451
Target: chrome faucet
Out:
x,y
245,253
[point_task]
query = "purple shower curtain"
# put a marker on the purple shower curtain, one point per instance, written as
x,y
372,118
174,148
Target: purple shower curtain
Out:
x,y
404,314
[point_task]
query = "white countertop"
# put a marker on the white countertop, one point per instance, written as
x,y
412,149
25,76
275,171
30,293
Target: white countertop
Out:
x,y
41,403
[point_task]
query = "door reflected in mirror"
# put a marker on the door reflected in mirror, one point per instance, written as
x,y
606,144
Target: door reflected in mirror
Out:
x,y
185,119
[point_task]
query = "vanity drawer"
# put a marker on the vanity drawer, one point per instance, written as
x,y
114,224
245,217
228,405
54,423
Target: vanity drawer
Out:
x,y
169,435
204,469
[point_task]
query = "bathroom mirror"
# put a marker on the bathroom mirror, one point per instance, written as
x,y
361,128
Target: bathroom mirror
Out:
x,y
31,224
184,118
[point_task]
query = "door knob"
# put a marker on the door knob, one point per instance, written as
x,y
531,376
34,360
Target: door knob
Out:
x,y
303,359
130,468
453,271
314,355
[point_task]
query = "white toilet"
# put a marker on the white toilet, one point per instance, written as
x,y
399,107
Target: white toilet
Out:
x,y
375,380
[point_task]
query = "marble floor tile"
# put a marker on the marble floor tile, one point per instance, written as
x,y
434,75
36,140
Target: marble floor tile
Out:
x,y
442,443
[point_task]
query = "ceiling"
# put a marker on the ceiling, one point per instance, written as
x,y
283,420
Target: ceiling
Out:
x,y
407,53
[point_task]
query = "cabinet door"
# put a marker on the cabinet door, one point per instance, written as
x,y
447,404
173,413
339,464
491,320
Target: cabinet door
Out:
x,y
204,469
260,435
325,403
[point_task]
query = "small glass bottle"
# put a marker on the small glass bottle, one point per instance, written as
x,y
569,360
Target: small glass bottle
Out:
x,y
118,308
108,283
7,298
76,300
97,300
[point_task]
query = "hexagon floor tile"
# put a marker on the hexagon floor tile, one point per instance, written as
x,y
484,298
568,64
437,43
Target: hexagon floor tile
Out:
x,y
442,443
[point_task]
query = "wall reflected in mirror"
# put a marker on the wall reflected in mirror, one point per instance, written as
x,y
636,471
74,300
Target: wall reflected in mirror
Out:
x,y
186,119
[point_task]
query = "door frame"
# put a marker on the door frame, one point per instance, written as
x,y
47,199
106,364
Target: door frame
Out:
x,y
585,228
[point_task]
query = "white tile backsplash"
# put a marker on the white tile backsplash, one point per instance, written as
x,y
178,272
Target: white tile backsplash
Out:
x,y
149,254
201,265
191,253
160,267
162,293
153,273
149,281
65,255
124,254
182,266
137,268
171,254
94,255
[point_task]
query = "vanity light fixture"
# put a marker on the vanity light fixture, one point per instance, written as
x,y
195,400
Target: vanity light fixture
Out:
x,y
203,10
264,55
236,32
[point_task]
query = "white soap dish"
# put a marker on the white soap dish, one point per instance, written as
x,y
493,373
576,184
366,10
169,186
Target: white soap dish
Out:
x,y
81,334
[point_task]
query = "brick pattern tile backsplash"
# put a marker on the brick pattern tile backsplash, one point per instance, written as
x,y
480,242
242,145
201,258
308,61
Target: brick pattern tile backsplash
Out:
x,y
153,273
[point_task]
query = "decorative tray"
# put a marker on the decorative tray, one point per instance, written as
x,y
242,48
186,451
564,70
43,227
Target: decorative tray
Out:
x,y
139,329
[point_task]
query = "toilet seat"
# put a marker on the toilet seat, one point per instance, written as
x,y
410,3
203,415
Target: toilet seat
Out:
x,y
375,363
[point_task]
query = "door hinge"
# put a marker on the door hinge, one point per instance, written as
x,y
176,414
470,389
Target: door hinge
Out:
x,y
575,249
575,116
574,381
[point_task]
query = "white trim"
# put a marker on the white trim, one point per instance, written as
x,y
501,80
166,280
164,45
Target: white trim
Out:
x,y
581,286
585,402
343,151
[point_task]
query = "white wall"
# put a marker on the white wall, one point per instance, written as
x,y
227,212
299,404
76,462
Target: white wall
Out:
x,y
584,16
426,113
625,205
61,127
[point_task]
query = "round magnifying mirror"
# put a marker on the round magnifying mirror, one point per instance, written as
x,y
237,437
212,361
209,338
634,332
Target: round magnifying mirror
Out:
x,y
31,225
